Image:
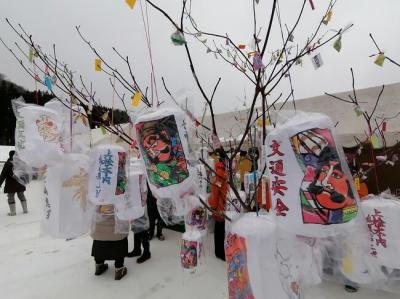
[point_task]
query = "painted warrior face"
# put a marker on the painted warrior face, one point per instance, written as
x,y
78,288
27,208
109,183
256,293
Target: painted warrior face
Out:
x,y
157,147
331,187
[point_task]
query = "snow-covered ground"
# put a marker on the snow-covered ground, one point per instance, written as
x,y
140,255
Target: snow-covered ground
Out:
x,y
37,266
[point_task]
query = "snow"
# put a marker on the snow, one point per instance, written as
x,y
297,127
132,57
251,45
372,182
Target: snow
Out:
x,y
36,266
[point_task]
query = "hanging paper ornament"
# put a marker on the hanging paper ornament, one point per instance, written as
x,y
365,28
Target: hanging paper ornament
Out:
x,y
375,141
358,110
191,251
48,82
103,130
291,37
384,126
242,47
317,61
257,62
178,38
67,213
30,55
133,205
215,141
337,45
163,142
97,65
328,17
38,135
311,187
380,59
136,98
250,181
131,3
107,174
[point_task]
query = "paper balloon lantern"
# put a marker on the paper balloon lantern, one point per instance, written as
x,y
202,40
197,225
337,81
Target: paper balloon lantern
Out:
x,y
38,135
75,123
311,187
191,251
67,212
250,249
132,205
383,220
196,217
163,141
107,174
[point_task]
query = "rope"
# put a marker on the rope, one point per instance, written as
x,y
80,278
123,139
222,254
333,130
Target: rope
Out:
x,y
148,41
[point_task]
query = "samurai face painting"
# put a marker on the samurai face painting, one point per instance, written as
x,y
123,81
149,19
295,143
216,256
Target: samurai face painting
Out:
x,y
162,150
326,194
47,129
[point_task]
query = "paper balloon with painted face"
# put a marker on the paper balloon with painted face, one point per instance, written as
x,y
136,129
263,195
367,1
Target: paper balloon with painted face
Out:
x,y
311,187
163,142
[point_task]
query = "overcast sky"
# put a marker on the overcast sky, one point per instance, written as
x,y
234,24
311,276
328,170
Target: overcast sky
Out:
x,y
110,23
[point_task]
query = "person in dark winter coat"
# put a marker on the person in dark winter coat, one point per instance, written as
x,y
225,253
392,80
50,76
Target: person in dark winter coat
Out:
x,y
12,186
140,228
154,217
107,243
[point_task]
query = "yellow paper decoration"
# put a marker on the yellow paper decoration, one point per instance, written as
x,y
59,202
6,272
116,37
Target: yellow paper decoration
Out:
x,y
328,17
259,122
97,65
374,141
357,183
380,59
131,3
136,99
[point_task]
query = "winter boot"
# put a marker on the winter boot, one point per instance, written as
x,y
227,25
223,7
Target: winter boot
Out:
x,y
12,210
100,269
24,206
120,272
137,240
146,250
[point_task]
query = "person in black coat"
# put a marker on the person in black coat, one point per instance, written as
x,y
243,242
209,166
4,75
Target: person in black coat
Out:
x,y
12,186
154,216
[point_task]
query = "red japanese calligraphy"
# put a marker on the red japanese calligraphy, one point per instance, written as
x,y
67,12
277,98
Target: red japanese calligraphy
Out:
x,y
376,226
275,149
278,186
280,208
277,167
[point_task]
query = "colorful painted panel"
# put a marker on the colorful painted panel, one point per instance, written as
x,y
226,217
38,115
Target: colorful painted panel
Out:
x,y
326,195
189,254
163,152
121,174
236,261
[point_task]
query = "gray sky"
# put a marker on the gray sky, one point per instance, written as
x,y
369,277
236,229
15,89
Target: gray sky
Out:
x,y
110,23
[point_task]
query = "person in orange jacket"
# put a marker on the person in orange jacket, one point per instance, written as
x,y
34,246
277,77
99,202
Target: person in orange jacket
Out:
x,y
217,200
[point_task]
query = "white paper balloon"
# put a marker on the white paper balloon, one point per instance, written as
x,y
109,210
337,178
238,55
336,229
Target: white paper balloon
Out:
x,y
191,251
107,174
383,220
163,141
38,135
67,213
250,250
133,205
311,187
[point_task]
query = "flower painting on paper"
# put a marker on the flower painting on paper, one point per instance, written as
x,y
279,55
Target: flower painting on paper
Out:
x,y
80,182
47,129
